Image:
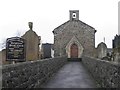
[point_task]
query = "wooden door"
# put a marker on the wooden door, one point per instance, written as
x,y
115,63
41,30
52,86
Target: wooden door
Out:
x,y
74,51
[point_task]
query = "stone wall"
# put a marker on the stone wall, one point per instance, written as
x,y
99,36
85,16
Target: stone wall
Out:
x,y
105,73
30,74
4,61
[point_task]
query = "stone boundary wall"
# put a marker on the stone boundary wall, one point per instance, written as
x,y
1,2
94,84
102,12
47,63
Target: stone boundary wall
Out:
x,y
29,74
106,74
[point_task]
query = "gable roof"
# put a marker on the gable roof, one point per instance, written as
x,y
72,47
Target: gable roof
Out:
x,y
62,26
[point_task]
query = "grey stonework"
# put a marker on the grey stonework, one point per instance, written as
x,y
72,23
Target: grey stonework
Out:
x,y
116,48
30,74
32,44
84,33
106,74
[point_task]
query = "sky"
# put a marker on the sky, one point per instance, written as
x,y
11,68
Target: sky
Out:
x,y
46,15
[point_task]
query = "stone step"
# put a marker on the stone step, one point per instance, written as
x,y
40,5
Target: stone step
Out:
x,y
74,59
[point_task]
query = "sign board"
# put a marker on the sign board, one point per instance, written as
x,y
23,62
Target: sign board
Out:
x,y
15,49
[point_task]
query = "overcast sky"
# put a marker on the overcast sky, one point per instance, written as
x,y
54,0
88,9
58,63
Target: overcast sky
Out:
x,y
48,14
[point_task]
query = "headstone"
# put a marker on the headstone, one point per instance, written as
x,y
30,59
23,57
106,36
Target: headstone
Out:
x,y
32,41
101,50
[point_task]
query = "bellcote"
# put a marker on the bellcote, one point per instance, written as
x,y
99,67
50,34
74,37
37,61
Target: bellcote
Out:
x,y
74,15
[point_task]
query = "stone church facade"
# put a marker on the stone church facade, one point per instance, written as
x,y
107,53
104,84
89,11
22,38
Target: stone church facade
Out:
x,y
74,38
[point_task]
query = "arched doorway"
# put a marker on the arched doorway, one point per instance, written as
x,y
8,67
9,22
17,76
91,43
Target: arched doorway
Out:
x,y
74,48
74,51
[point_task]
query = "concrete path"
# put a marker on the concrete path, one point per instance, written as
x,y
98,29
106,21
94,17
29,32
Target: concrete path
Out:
x,y
71,75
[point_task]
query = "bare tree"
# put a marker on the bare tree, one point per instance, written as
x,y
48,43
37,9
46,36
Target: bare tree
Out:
x,y
18,33
3,44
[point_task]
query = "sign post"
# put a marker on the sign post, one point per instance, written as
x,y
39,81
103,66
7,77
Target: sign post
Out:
x,y
15,49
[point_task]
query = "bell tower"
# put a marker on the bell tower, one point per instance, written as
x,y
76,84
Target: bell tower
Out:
x,y
74,15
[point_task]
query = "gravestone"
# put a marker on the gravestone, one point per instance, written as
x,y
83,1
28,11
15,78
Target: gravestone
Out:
x,y
32,41
101,50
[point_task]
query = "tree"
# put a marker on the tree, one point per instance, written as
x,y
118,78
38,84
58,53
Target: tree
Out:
x,y
3,43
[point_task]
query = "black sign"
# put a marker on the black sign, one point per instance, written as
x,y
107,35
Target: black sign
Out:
x,y
15,49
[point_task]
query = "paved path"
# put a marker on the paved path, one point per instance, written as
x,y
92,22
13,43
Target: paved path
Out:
x,y
71,75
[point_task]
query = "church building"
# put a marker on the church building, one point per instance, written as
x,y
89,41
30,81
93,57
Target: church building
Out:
x,y
74,38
